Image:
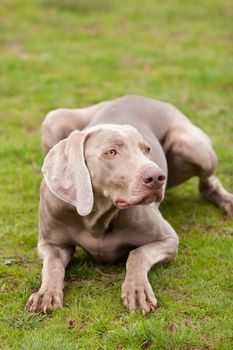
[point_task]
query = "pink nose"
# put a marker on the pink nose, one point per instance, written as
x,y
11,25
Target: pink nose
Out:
x,y
153,178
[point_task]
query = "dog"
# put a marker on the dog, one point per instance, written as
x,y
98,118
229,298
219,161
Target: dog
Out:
x,y
105,173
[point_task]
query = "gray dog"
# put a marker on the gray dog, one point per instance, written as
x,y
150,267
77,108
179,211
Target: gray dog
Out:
x,y
105,173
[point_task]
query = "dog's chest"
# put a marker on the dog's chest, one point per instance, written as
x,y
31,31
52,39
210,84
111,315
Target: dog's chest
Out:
x,y
107,249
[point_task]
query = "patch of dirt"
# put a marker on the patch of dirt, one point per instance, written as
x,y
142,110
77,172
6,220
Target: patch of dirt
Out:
x,y
146,344
168,289
31,129
16,260
72,324
172,327
189,324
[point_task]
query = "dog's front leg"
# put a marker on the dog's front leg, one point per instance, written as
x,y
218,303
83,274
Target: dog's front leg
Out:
x,y
50,295
136,289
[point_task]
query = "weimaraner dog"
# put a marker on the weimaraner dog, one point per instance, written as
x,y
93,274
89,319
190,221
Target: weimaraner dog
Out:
x,y
105,173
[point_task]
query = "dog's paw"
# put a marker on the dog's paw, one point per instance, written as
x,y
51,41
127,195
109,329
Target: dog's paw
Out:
x,y
213,191
45,300
138,295
227,204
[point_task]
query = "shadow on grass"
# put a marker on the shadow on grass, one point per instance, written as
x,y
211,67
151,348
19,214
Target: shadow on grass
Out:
x,y
83,270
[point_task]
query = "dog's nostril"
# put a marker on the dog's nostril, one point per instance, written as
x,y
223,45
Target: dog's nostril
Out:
x,y
161,178
153,178
148,180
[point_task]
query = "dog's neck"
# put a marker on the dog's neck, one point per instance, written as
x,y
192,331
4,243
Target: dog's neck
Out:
x,y
98,221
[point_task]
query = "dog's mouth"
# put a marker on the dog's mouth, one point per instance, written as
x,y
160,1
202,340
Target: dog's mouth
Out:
x,y
120,203
140,200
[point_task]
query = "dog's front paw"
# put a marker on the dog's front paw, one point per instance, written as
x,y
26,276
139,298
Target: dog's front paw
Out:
x,y
138,295
45,300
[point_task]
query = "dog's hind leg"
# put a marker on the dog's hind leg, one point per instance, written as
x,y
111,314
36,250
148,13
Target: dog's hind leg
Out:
x,y
59,123
190,153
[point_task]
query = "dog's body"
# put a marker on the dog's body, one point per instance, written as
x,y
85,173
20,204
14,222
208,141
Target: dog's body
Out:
x,y
104,172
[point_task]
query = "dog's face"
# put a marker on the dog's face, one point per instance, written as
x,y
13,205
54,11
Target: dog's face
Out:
x,y
118,161
109,160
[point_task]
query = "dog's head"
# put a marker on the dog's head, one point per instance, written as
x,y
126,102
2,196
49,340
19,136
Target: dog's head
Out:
x,y
109,160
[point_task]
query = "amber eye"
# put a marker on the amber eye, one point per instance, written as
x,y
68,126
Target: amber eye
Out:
x,y
111,153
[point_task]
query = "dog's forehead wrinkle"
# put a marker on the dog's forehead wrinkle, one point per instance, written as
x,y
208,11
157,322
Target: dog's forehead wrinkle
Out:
x,y
109,139
118,135
114,128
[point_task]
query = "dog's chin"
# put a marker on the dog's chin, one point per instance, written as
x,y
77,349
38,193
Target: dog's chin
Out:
x,y
143,199
155,197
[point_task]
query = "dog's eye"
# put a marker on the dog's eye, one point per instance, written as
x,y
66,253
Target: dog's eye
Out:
x,y
111,153
148,149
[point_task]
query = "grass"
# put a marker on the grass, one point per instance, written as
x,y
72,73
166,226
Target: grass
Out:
x,y
73,53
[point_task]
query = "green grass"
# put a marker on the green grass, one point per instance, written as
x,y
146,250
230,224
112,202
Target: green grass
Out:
x,y
70,53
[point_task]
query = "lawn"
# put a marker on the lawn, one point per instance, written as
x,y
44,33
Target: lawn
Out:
x,y
70,53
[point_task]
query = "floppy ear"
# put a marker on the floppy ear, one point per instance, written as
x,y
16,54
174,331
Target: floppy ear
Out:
x,y
66,173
